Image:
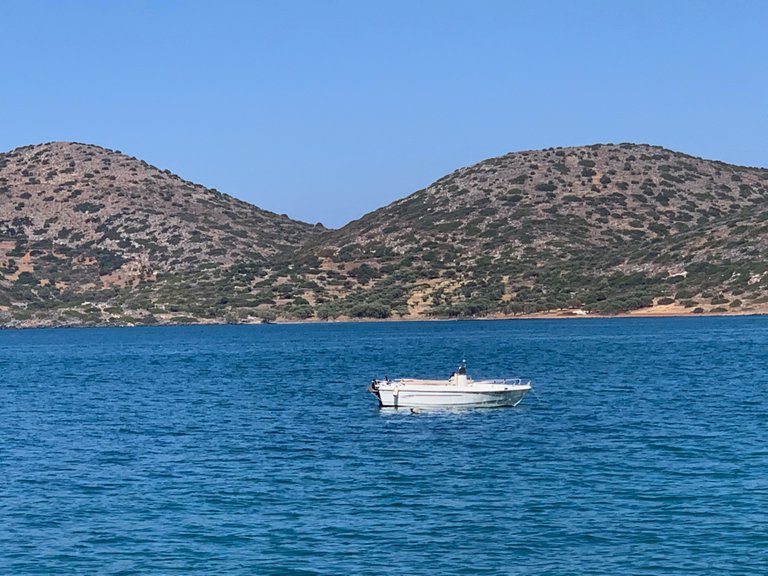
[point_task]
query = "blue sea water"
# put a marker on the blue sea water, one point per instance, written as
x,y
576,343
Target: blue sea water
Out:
x,y
257,450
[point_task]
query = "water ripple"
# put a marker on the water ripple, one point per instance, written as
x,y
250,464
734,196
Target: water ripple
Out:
x,y
255,450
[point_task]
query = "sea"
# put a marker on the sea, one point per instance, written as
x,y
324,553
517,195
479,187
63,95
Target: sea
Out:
x,y
643,449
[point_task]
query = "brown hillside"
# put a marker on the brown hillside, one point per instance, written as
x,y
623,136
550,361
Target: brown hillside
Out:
x,y
81,216
557,202
605,227
89,236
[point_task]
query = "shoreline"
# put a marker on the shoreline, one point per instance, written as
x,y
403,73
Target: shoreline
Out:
x,y
552,315
537,316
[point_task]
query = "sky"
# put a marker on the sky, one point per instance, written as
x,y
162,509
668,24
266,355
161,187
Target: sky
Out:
x,y
327,109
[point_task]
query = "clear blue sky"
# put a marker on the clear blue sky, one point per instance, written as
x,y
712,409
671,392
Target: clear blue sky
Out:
x,y
327,109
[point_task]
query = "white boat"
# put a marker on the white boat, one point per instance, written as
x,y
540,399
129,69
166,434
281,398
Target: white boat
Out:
x,y
457,391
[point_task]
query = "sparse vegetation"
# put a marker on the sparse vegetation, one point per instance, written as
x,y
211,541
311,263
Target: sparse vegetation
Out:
x,y
90,236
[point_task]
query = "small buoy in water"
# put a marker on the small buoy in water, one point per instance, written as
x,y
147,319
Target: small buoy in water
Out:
x,y
415,410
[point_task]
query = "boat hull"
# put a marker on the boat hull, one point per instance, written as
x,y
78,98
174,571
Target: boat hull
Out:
x,y
431,396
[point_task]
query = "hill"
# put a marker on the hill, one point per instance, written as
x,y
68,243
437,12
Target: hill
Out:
x,y
93,236
82,223
603,228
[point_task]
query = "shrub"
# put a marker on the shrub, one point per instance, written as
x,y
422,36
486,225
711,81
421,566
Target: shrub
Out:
x,y
364,273
266,316
26,278
511,198
370,310
88,207
327,310
546,187
109,261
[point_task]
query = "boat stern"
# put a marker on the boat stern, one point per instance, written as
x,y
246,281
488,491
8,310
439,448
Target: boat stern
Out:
x,y
374,388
